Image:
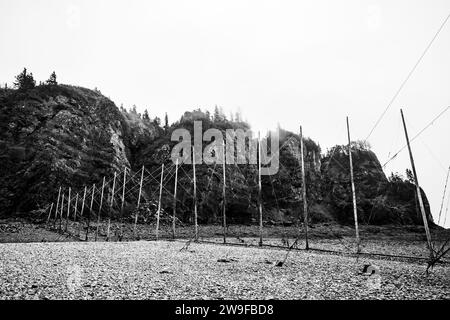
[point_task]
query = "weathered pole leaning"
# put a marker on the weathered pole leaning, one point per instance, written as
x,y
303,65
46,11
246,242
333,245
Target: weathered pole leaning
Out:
x,y
90,210
68,211
139,200
305,203
100,209
76,208
355,210
50,213
159,201
110,206
57,207
82,211
260,193
443,196
61,212
175,200
419,193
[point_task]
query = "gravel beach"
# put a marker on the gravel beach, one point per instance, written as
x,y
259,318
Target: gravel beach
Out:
x,y
159,270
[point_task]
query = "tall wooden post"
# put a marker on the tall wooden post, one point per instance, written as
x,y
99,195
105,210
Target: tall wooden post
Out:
x,y
61,212
139,200
82,211
355,210
50,213
90,210
159,201
224,199
443,196
260,193
123,201
100,209
110,206
68,210
305,203
175,200
419,194
195,195
57,207
76,208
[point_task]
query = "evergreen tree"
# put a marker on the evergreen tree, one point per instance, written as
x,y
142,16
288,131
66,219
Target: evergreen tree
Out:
x,y
237,116
222,114
166,122
52,79
24,80
133,109
157,121
145,116
216,116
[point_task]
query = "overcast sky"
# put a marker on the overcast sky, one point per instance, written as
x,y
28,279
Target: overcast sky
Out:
x,y
289,62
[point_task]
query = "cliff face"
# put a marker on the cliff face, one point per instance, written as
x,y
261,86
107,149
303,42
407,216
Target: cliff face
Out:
x,y
379,200
71,136
54,135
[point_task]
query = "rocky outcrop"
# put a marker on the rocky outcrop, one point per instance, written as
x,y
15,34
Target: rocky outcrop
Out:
x,y
379,200
56,135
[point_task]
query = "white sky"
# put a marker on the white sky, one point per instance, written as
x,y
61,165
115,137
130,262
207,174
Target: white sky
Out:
x,y
288,62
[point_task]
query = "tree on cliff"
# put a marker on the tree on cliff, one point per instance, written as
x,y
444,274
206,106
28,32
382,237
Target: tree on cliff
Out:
x,y
24,80
52,79
145,116
166,122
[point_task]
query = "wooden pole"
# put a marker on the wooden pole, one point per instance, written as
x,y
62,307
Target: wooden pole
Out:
x,y
195,196
61,212
159,201
100,210
76,208
50,213
123,202
68,210
110,206
139,200
82,211
355,210
305,203
443,196
260,193
419,194
175,200
90,210
57,207
224,203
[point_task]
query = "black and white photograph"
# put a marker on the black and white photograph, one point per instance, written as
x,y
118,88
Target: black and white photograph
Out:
x,y
223,157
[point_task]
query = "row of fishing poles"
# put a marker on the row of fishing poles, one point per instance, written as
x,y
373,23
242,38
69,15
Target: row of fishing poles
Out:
x,y
224,218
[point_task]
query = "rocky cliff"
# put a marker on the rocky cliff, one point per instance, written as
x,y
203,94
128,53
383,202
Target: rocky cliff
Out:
x,y
57,134
60,134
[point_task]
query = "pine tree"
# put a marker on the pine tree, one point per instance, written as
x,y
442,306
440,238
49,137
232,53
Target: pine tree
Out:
x,y
157,121
216,116
52,79
145,116
222,114
166,122
24,80
237,117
